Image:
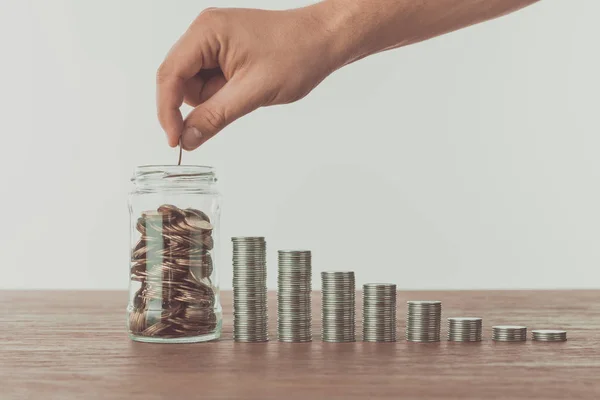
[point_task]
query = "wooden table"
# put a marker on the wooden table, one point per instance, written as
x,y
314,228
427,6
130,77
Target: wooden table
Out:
x,y
73,345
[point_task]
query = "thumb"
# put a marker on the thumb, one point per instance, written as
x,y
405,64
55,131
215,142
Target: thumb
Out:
x,y
235,99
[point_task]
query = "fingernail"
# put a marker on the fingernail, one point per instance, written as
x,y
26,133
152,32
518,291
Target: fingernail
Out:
x,y
191,138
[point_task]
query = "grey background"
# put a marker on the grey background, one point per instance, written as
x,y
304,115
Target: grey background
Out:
x,y
469,161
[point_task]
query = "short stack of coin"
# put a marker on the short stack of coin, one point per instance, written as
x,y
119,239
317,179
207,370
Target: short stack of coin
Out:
x,y
464,329
338,306
250,321
547,335
423,321
294,282
509,333
379,312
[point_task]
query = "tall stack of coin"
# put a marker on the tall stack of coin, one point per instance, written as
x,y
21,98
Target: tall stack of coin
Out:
x,y
250,322
547,335
294,318
509,333
464,329
379,312
338,306
423,321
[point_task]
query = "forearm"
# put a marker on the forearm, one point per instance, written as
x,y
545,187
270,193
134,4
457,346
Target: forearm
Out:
x,y
363,27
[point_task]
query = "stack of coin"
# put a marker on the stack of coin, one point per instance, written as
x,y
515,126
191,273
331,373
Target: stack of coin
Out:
x,y
250,323
294,283
338,306
379,312
509,333
464,329
423,321
546,335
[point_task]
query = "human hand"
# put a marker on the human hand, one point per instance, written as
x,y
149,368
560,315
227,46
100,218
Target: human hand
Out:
x,y
233,61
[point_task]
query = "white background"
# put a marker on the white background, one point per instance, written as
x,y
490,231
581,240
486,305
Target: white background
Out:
x,y
469,161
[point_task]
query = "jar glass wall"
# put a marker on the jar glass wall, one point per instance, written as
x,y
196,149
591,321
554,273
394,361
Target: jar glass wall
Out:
x,y
174,258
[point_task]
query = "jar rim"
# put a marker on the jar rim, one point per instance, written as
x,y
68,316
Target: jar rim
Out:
x,y
158,172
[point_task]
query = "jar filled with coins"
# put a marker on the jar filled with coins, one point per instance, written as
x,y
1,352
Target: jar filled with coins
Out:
x,y
173,286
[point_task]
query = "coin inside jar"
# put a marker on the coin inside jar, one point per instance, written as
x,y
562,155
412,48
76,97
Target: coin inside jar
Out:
x,y
196,222
192,211
172,262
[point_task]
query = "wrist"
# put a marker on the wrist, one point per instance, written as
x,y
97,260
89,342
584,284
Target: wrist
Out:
x,y
359,28
338,21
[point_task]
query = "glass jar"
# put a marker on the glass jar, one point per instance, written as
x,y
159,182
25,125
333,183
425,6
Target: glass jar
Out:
x,y
173,286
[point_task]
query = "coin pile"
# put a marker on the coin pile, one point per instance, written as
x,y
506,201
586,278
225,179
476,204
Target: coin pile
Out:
x,y
423,321
294,317
338,306
509,333
172,261
379,312
547,335
464,329
250,321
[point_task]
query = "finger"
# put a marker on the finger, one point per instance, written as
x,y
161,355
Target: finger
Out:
x,y
183,61
199,89
236,98
192,89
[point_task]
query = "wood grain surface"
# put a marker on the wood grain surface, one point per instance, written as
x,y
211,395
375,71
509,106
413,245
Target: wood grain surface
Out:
x,y
73,345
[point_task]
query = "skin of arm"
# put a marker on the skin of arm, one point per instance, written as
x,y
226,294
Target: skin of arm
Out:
x,y
232,61
366,27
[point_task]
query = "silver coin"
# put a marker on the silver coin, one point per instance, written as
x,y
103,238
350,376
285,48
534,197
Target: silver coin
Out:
x,y
250,312
549,335
423,320
509,333
338,305
465,329
379,312
294,276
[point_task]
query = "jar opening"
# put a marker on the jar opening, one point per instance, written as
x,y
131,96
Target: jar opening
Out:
x,y
174,174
